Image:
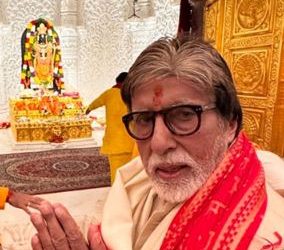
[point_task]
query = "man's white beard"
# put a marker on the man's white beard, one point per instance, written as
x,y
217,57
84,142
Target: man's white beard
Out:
x,y
183,187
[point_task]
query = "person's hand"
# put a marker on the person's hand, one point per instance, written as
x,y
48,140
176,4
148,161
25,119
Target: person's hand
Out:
x,y
95,239
56,229
23,201
87,111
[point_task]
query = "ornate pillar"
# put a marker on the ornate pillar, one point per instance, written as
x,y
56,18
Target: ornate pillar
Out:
x,y
1,61
1,14
141,31
4,31
68,35
69,12
144,8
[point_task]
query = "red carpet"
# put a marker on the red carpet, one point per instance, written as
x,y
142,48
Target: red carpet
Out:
x,y
54,170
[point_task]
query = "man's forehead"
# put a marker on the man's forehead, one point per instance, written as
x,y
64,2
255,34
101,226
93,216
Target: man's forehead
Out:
x,y
159,97
161,86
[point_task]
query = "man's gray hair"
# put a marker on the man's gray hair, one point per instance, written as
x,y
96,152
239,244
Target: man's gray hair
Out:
x,y
189,59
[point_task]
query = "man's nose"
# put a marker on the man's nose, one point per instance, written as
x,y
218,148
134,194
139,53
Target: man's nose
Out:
x,y
162,140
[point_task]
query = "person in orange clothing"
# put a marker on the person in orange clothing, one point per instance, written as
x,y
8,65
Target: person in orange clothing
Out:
x,y
117,144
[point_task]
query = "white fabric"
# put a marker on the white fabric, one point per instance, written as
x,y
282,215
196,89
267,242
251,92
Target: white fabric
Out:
x,y
128,211
273,167
127,224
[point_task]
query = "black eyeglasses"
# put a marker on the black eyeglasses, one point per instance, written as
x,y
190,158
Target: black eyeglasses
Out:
x,y
180,120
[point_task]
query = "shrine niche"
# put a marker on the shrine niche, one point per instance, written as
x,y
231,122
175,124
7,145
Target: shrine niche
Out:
x,y
44,110
249,34
41,56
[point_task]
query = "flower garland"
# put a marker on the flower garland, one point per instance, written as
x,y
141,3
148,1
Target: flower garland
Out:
x,y
29,43
5,125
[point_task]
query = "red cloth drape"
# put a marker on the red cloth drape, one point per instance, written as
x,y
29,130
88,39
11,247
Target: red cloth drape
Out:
x,y
227,211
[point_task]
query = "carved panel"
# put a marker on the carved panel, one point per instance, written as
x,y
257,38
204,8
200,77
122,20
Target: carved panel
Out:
x,y
251,42
258,124
253,121
249,70
252,16
211,21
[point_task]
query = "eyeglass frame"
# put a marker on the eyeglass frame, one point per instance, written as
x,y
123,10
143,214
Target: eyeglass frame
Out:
x,y
198,109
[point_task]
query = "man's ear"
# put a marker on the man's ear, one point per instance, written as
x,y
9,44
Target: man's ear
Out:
x,y
231,132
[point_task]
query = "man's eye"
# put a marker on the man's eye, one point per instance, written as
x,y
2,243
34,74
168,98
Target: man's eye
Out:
x,y
143,119
183,114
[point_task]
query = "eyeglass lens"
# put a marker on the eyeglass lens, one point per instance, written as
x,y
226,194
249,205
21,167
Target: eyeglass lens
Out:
x,y
179,120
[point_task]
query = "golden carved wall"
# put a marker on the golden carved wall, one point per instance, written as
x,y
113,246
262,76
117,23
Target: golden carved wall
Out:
x,y
249,34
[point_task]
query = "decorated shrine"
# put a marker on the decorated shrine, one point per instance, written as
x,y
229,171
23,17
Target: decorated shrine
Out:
x,y
41,56
44,110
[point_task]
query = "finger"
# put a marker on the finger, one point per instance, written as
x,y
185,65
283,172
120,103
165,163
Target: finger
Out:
x,y
42,239
55,229
74,235
35,200
95,238
28,206
27,210
36,245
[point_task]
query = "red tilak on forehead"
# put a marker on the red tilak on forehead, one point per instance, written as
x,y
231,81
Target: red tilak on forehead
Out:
x,y
158,94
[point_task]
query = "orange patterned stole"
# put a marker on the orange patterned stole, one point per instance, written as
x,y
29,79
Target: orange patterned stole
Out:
x,y
227,211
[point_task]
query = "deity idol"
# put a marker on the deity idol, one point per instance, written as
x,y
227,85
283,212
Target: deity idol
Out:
x,y
41,56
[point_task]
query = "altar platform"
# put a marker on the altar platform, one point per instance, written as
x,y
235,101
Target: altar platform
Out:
x,y
9,145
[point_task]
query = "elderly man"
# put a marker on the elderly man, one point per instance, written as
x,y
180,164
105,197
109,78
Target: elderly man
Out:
x,y
198,183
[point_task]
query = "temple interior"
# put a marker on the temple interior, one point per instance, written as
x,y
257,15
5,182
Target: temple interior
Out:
x,y
99,39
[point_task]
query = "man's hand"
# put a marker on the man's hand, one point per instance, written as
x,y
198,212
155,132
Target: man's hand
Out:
x,y
23,201
95,239
56,229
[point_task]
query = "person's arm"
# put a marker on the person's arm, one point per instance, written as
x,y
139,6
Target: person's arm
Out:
x,y
23,201
98,102
18,199
56,229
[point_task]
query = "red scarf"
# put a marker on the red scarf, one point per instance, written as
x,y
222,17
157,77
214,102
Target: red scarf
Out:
x,y
227,211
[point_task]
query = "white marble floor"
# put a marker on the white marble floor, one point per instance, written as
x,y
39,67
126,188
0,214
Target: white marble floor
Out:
x,y
86,206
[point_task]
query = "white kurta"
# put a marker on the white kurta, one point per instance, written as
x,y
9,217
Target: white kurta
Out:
x,y
135,218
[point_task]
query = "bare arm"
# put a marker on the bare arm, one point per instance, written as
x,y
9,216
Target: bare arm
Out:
x,y
23,201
